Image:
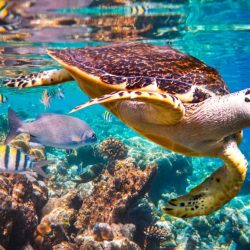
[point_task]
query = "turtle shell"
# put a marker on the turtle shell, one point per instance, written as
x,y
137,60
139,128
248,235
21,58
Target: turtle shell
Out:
x,y
131,66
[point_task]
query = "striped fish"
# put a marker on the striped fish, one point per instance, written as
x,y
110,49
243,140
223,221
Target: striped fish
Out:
x,y
107,116
3,99
14,161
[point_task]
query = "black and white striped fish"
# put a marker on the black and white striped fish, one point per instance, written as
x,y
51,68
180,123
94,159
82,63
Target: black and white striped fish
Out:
x,y
107,116
13,160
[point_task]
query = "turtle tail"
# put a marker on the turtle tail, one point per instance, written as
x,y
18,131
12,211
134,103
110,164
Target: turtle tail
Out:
x,y
45,78
215,191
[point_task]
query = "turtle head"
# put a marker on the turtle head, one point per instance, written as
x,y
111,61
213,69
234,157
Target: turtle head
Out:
x,y
247,95
243,105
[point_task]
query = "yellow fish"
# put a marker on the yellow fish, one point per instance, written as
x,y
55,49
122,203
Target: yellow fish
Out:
x,y
14,161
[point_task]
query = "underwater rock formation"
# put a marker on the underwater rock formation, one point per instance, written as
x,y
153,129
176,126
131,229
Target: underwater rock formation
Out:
x,y
114,194
20,204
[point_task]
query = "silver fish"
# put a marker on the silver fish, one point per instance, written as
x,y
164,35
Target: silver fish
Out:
x,y
54,130
14,161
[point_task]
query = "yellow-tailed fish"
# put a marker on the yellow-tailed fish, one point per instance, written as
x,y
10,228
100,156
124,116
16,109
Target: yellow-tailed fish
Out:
x,y
14,161
3,99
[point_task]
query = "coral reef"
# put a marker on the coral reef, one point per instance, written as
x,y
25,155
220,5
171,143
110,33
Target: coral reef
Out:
x,y
59,215
113,149
105,236
154,236
21,202
113,195
96,220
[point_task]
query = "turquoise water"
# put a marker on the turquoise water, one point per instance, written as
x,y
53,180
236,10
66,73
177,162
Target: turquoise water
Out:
x,y
216,32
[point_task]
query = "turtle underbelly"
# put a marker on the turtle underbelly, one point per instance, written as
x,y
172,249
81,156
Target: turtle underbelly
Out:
x,y
132,112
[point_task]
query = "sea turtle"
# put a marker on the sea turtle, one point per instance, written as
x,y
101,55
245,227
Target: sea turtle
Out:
x,y
169,97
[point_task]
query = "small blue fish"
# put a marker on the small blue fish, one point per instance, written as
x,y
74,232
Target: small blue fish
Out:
x,y
107,116
14,161
3,99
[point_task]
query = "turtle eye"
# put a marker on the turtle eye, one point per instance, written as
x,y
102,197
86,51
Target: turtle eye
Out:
x,y
247,95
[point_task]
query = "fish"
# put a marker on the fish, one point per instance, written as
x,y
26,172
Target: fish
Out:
x,y
52,130
107,116
60,93
15,161
3,99
46,99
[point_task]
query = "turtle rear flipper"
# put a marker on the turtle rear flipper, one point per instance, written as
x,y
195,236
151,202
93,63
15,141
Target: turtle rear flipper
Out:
x,y
163,108
216,190
49,77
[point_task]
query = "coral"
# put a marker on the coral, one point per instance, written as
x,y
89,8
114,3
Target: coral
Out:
x,y
113,149
20,204
56,225
105,236
103,231
155,235
65,246
145,152
114,194
119,244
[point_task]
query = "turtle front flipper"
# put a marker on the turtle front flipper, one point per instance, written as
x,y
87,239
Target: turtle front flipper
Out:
x,y
49,77
165,108
216,190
